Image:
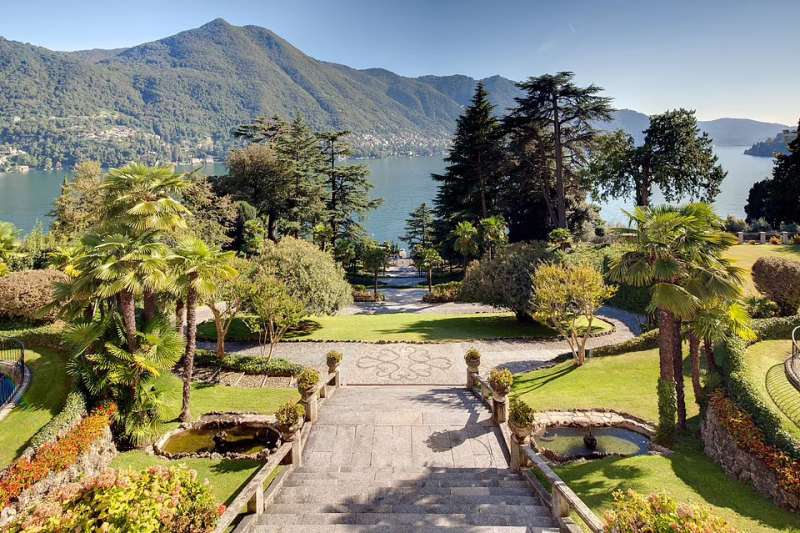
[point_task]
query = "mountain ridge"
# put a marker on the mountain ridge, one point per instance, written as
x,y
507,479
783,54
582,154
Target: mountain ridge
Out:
x,y
178,97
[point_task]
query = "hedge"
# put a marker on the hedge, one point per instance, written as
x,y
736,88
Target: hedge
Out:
x,y
645,341
779,279
46,336
23,295
74,409
248,364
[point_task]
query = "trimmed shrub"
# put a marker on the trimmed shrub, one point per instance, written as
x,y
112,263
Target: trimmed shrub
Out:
x,y
249,364
645,341
667,412
333,358
307,380
520,413
501,380
74,409
775,328
760,307
23,295
472,357
289,414
311,275
658,513
775,240
156,499
362,293
443,293
779,279
54,456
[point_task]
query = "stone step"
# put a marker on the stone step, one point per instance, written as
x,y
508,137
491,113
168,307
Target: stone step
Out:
x,y
409,497
361,489
407,519
443,482
451,508
425,470
263,527
400,476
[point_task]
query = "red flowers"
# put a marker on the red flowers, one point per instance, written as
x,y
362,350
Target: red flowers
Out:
x,y
54,456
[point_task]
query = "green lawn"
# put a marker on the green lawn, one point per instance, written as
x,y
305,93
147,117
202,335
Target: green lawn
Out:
x,y
225,476
765,371
627,383
41,402
208,398
744,255
411,327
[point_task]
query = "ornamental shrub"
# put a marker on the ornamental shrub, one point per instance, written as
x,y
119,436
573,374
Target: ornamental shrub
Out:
x,y
289,414
310,275
658,513
55,456
472,357
157,499
443,293
667,412
249,364
23,295
333,358
362,293
775,240
501,380
760,307
307,380
796,239
74,409
778,278
734,224
520,413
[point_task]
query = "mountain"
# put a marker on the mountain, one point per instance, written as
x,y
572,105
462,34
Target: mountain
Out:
x,y
179,97
740,131
775,145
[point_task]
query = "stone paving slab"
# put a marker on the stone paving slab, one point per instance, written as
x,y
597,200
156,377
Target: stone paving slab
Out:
x,y
403,428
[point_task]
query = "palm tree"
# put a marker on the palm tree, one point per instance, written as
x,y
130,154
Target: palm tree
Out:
x,y
201,266
466,240
677,253
494,233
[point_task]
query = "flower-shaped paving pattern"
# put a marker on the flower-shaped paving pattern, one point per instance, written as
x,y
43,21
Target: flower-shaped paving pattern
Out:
x,y
403,364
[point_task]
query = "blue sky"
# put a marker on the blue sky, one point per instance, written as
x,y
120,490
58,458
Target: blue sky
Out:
x,y
723,58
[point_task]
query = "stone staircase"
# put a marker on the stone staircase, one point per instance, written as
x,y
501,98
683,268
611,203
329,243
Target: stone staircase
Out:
x,y
430,499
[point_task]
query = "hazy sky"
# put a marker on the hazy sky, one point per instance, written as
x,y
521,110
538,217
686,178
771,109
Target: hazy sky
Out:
x,y
723,58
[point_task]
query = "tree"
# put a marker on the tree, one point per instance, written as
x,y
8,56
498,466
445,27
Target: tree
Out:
x,y
419,227
211,216
9,243
259,176
561,115
466,240
468,188
677,253
200,267
275,310
228,298
347,187
566,298
676,157
79,205
373,259
428,259
777,199
494,234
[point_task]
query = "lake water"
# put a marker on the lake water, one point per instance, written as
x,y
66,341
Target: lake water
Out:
x,y
403,183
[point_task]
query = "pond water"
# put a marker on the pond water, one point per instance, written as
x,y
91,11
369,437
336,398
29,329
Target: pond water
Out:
x,y
568,441
403,183
243,439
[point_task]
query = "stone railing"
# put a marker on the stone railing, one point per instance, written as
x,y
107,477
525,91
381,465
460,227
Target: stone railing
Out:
x,y
254,497
762,236
553,491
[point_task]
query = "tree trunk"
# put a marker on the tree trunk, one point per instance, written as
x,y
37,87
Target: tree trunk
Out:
x,y
677,362
561,209
694,353
666,344
220,337
127,308
191,345
711,362
430,280
375,286
272,227
180,307
150,306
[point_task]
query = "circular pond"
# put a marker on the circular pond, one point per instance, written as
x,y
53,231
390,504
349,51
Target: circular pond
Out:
x,y
567,442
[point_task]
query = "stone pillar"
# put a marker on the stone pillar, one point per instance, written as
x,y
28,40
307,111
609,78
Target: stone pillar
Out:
x,y
256,504
785,237
740,235
559,505
472,377
311,405
518,457
486,392
500,408
762,237
337,379
297,451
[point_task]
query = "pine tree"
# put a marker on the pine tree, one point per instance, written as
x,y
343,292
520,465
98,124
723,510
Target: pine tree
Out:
x,y
347,187
419,227
469,186
561,115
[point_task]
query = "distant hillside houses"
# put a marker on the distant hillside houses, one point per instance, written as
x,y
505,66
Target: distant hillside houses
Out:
x,y
777,145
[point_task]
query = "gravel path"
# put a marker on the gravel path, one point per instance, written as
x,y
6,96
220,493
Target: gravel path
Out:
x,y
410,301
437,363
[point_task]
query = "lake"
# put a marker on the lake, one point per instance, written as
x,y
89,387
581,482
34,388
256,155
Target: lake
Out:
x,y
403,183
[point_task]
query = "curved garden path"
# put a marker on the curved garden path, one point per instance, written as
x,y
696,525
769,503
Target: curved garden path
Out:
x,y
401,363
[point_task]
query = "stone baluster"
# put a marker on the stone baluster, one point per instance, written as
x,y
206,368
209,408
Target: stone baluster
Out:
x,y
762,237
740,235
500,408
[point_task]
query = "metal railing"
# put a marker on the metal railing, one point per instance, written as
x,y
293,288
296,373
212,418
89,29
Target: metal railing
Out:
x,y
795,346
12,356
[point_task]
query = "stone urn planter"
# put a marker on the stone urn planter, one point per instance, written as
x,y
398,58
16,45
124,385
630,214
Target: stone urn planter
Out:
x,y
290,433
473,360
333,360
520,432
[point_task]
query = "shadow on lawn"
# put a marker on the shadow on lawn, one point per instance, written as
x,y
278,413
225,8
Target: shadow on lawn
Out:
x,y
470,327
542,378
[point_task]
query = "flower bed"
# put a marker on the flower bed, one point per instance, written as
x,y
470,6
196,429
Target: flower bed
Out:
x,y
658,513
55,456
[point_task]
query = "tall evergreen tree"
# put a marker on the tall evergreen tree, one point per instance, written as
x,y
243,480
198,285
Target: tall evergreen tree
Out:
x,y
777,199
347,187
468,187
419,227
676,156
560,114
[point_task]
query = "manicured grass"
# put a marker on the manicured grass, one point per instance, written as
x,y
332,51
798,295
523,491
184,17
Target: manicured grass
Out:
x,y
764,367
410,327
744,255
209,398
686,475
225,476
628,383
41,402
624,382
